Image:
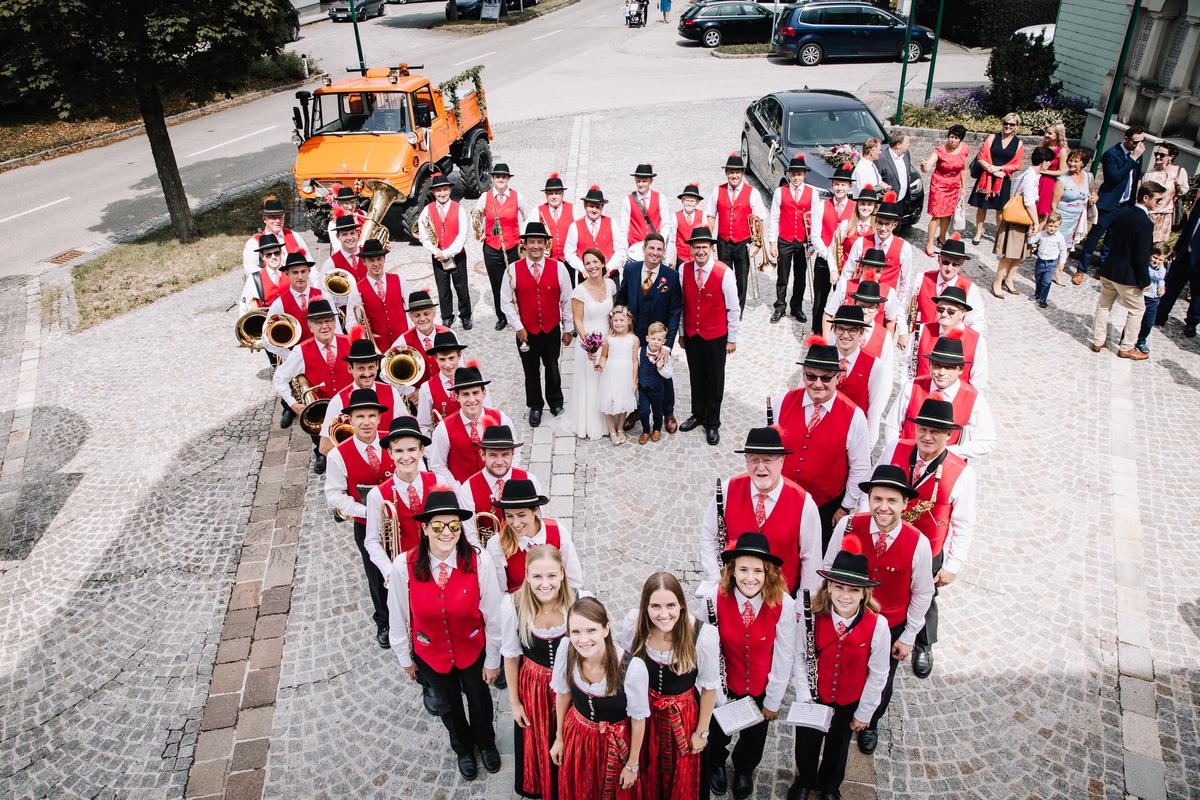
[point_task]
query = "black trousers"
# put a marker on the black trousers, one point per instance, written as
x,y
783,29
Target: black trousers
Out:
x,y
316,440
465,734
650,399
886,697
706,369
826,512
791,254
829,776
456,278
1181,273
748,751
928,636
820,295
544,350
737,255
374,578
493,259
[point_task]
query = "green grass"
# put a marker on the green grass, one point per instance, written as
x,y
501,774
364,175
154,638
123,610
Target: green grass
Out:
x,y
743,49
476,26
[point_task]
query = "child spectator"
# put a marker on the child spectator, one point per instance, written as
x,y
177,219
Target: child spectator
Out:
x,y
653,381
618,373
1158,274
1051,249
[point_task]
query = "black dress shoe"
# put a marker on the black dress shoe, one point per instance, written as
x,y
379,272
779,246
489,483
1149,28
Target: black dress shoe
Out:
x,y
798,792
319,464
717,781
689,424
922,662
490,757
800,317
868,740
713,436
835,795
1190,331
501,681
432,704
287,418
468,324
535,417
467,768
743,786
446,323
776,316
501,324
384,639
556,410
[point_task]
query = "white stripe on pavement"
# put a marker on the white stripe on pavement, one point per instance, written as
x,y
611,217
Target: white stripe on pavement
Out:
x,y
231,141
544,35
39,208
474,58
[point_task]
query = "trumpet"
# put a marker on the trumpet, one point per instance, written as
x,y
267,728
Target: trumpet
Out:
x,y
402,366
312,417
340,429
249,328
337,282
477,224
360,316
389,529
486,532
282,330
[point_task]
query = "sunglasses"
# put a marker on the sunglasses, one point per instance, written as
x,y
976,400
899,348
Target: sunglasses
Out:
x,y
454,525
1161,155
758,462
273,254
1008,124
950,261
948,310
814,378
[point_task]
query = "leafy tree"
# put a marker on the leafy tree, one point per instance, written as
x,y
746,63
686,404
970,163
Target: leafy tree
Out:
x,y
1022,74
77,56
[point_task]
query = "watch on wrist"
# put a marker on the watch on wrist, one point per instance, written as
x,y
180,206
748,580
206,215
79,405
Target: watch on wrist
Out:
x,y
703,734
632,768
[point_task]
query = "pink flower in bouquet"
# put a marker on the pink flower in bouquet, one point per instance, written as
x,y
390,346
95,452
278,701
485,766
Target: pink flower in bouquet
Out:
x,y
592,342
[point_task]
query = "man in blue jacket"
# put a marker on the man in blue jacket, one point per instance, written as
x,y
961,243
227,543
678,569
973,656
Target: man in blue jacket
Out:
x,y
1122,165
1185,269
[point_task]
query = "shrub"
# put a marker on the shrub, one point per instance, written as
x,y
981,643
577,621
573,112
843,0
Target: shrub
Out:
x,y
986,23
1021,71
281,67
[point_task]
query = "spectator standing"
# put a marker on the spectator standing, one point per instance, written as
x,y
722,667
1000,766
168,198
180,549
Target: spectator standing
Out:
x,y
1010,238
866,172
1055,138
1073,194
1122,167
999,159
1175,178
895,165
947,183
1156,289
1185,270
1051,249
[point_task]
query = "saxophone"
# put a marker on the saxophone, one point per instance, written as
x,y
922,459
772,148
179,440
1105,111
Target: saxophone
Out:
x,y
925,506
810,647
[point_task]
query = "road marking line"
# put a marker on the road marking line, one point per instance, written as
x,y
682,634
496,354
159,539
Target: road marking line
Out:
x,y
473,58
593,19
544,35
39,208
231,141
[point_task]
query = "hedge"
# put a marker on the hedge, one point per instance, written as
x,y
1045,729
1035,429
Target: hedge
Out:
x,y
985,23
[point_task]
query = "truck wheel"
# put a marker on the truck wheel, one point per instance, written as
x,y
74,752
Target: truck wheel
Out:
x,y
412,210
477,173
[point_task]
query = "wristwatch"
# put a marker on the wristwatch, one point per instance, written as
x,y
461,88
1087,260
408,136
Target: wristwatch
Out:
x,y
632,768
703,734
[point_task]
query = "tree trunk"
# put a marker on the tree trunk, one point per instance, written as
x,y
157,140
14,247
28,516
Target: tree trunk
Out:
x,y
150,104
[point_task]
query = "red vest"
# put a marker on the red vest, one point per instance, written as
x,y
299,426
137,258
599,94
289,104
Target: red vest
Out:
x,y
359,472
316,368
414,338
842,666
464,458
856,385
793,227
781,527
445,403
355,267
387,318
603,241
446,229
271,289
514,568
873,346
934,523
891,256
290,243
538,302
387,396
830,219
446,623
893,571
818,461
410,531
926,308
964,402
509,229
290,306
637,223
930,333
481,493
853,236
558,230
747,651
704,312
683,232
733,216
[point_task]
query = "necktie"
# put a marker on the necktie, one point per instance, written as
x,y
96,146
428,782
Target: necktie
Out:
x,y
537,273
699,276
646,284
747,614
920,470
330,357
818,413
760,508
414,499
842,363
936,395
499,488
379,290
881,545
841,626
428,344
444,576
474,432
373,458
304,305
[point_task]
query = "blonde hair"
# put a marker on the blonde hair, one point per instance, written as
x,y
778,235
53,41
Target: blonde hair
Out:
x,y
822,604
656,327
526,602
1058,131
1013,117
683,642
593,610
774,586
617,310
508,537
1053,216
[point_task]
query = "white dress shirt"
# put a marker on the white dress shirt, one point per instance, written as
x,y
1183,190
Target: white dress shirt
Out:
x,y
633,252
490,601
879,386
354,302
250,257
566,546
374,539
425,400
510,634
901,172
708,651
451,249
865,172
757,207
975,318
733,312
564,295
319,279
814,241
571,245
250,299
878,662
637,682
697,219
466,501
782,655
335,406
920,584
858,445
978,436
438,451
291,368
336,488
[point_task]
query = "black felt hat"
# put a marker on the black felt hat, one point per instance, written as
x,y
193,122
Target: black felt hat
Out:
x,y
701,233
345,222
764,441
798,163
362,351
419,299
271,207
345,194
691,190
372,248
320,309
501,169
936,414
594,195
468,378
643,171
439,180
554,184
519,493
850,568
365,399
850,315
874,257
821,355
843,173
498,437
444,342
955,295
268,242
954,248
535,229
868,292
439,503
404,427
892,477
869,194
296,259
889,208
948,349
752,543
735,162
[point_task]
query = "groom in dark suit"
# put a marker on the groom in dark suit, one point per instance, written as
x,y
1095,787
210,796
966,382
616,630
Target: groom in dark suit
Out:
x,y
652,292
1122,165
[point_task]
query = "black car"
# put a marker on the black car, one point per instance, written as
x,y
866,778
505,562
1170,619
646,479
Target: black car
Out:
x,y
363,9
811,32
293,24
471,9
712,24
785,124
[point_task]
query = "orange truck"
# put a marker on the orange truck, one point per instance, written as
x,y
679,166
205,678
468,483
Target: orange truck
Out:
x,y
384,132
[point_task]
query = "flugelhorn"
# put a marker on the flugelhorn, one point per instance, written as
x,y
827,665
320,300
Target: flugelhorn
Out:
x,y
337,282
402,366
283,330
486,532
389,529
249,328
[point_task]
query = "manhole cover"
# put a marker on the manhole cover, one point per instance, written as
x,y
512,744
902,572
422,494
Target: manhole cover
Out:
x,y
63,258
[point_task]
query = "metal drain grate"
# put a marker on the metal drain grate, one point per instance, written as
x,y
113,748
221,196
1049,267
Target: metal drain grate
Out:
x,y
63,258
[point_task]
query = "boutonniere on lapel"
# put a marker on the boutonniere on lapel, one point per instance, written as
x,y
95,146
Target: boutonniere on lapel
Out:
x,y
662,285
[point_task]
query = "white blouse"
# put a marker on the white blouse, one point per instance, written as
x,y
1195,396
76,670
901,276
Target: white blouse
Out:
x,y
510,637
708,652
637,682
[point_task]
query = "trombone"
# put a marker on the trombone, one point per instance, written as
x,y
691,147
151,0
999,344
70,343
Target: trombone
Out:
x,y
485,533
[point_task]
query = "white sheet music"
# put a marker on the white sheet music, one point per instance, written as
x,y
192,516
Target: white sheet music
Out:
x,y
738,715
810,715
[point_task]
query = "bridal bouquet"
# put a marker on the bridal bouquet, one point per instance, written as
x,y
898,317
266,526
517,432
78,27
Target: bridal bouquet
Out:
x,y
591,344
842,154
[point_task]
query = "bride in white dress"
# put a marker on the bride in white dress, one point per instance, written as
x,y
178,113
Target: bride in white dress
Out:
x,y
591,302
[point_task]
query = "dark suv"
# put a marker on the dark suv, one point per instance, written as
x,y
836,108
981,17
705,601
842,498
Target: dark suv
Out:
x,y
812,32
714,23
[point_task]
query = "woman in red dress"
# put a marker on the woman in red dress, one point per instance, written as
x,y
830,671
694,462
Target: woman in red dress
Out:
x,y
946,185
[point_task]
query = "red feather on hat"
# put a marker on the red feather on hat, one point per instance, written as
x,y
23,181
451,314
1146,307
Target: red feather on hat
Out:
x,y
441,488
553,174
851,544
870,275
424,289
268,197
868,187
473,364
956,334
890,197
357,332
956,237
733,155
437,173
814,339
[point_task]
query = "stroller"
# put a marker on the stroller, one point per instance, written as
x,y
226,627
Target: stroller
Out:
x,y
635,13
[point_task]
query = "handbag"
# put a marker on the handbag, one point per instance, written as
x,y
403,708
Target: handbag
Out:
x,y
1014,212
1178,215
976,168
960,212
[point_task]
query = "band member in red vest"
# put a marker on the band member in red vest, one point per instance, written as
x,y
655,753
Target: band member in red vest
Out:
x,y
272,215
322,362
827,434
728,212
344,203
536,298
683,658
866,379
264,285
951,257
851,652
363,361
421,310
436,399
442,227
355,465
643,211
756,622
761,499
868,269
523,528
377,300
861,227
593,229
952,308
405,492
480,492
898,557
344,253
795,219
504,216
881,312
711,317
557,216
837,216
977,435
897,253
292,300
686,221
445,609
453,455
944,509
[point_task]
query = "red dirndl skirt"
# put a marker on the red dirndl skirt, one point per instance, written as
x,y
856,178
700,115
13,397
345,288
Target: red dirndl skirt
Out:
x,y
535,774
593,755
671,771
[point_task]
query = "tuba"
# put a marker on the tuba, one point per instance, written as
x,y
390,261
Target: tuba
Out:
x,y
402,366
283,330
312,416
249,328
486,532
389,529
383,194
337,282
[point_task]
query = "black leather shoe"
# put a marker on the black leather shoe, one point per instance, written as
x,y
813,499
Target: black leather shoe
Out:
x,y
501,681
432,704
713,436
319,464
922,662
798,792
490,757
743,786
689,424
800,317
556,410
287,418
717,780
776,316
831,796
467,768
501,324
446,323
868,740
468,324
630,422
383,638
1190,331
535,417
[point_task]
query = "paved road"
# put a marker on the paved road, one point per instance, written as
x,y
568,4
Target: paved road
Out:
x,y
578,59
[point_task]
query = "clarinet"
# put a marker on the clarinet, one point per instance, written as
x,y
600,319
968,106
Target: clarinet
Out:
x,y
810,646
770,412
722,534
